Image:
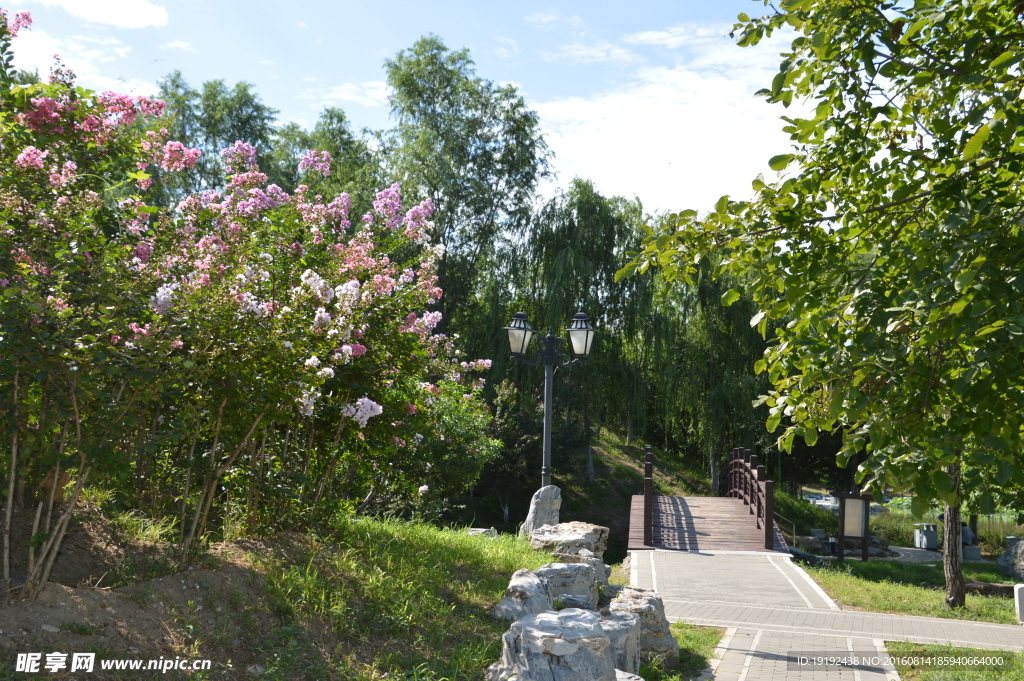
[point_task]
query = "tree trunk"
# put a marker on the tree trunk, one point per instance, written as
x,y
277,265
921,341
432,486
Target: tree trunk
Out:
x,y
714,474
6,584
951,539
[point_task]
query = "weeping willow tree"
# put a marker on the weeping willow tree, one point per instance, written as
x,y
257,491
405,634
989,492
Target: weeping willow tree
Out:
x,y
703,371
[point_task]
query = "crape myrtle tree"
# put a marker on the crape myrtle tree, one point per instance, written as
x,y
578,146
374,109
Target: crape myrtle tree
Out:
x,y
893,245
249,340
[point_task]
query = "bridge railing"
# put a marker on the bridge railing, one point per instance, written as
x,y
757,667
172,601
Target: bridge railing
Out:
x,y
648,496
748,481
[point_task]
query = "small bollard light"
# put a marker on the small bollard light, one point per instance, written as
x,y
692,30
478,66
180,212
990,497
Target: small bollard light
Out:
x,y
832,544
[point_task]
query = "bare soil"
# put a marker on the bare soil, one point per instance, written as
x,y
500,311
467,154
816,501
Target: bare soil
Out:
x,y
215,609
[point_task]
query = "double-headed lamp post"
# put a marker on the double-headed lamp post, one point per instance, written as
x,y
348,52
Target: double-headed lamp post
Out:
x,y
581,337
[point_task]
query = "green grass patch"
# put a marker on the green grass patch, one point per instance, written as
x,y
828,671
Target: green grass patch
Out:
x,y
1014,670
696,645
404,598
908,589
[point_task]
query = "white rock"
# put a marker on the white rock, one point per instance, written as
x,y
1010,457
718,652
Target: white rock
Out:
x,y
571,579
543,509
555,646
527,594
623,629
602,572
482,531
1011,562
571,538
626,676
656,640
255,669
50,628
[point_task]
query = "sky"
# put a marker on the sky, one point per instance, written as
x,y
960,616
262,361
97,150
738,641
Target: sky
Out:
x,y
646,99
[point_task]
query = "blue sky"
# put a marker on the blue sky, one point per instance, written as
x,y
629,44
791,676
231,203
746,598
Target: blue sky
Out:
x,y
648,99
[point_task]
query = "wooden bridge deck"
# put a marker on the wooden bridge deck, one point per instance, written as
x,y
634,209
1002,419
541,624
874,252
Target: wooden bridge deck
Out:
x,y
699,523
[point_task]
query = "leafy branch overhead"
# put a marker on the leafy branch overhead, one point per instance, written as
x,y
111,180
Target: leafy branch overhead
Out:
x,y
889,249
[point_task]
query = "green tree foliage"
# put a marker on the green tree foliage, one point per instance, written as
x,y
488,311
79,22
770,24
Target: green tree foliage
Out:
x,y
210,119
473,148
893,246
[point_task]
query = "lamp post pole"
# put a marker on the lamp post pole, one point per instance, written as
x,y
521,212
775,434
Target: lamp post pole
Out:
x,y
581,335
549,389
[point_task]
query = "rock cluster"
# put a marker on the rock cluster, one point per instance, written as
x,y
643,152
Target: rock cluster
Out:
x,y
578,641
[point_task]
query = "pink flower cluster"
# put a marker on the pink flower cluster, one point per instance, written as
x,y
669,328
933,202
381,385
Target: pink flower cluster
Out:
x,y
476,365
21,20
240,157
317,161
58,304
176,156
64,175
30,157
45,115
423,325
124,109
415,220
136,221
389,206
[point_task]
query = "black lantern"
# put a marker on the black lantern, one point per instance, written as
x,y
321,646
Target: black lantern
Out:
x,y
519,334
581,335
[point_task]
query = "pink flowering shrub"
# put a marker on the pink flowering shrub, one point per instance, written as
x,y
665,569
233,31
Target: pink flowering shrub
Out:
x,y
244,313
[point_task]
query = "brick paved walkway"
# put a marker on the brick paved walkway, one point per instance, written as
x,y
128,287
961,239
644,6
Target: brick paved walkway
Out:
x,y
771,607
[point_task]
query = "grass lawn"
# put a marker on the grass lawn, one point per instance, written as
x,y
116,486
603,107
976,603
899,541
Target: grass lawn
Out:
x,y
696,644
908,589
1014,671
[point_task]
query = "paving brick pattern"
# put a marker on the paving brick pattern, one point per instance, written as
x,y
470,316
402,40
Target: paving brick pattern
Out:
x,y
770,607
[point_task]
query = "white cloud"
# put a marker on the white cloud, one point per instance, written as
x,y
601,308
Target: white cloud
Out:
x,y
680,35
178,45
676,136
589,53
302,24
119,13
35,50
372,93
510,47
543,20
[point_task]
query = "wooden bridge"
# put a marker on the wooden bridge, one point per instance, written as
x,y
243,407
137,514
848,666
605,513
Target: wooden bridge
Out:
x,y
741,520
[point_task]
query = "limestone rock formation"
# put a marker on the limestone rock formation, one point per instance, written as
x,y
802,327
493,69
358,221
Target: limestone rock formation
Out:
x,y
571,538
656,641
527,594
543,509
1011,562
571,579
555,646
623,629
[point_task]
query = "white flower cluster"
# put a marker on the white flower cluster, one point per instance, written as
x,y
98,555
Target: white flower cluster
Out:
x,y
313,362
317,285
306,402
363,410
253,274
326,372
424,489
321,320
163,299
348,295
250,304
